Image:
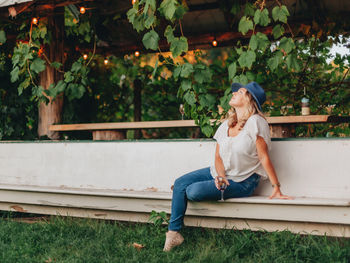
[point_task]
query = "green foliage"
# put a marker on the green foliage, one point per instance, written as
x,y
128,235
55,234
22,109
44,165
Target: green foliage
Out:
x,y
86,240
158,218
150,40
2,37
143,15
245,24
280,13
19,115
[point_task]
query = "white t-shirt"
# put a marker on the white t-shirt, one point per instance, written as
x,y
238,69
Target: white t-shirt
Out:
x,y
239,153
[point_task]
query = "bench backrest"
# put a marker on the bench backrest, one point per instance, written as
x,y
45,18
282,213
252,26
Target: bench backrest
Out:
x,y
305,167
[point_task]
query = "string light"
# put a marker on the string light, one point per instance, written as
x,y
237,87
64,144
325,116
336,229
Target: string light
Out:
x,y
106,61
137,53
35,20
82,10
85,56
214,43
133,1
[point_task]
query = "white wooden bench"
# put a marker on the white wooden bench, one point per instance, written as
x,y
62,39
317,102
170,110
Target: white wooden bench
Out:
x,y
126,180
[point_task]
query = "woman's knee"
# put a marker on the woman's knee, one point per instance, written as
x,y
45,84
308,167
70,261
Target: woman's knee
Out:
x,y
193,193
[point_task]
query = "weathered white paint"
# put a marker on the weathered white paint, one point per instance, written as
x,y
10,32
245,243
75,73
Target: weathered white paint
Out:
x,y
127,180
306,168
228,223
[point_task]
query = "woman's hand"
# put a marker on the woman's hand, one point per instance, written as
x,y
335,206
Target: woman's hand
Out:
x,y
224,179
276,193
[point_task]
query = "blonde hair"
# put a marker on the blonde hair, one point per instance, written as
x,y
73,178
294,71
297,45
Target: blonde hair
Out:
x,y
251,109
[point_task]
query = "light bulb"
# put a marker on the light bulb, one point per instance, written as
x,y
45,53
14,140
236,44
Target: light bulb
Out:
x,y
85,56
35,20
106,61
137,53
214,43
82,10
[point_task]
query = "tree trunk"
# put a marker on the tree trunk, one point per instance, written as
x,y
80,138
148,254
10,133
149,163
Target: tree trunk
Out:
x,y
51,113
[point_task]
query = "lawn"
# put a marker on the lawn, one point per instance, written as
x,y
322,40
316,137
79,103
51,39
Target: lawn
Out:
x,y
65,239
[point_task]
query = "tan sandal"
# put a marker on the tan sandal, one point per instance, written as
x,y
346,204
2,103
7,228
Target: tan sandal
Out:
x,y
172,240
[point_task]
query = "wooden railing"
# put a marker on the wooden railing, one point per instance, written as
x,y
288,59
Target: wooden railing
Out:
x,y
280,126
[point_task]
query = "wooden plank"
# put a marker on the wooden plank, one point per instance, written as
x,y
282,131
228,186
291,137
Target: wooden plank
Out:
x,y
124,125
196,221
191,123
283,212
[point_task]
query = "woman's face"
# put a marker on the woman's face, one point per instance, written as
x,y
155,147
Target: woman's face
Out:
x,y
238,99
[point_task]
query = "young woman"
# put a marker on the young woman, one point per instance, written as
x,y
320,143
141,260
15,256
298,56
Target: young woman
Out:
x,y
241,159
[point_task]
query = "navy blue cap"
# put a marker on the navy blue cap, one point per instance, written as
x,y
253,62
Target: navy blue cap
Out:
x,y
254,89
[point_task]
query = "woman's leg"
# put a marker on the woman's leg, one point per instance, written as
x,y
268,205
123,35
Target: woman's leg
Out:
x,y
206,190
179,200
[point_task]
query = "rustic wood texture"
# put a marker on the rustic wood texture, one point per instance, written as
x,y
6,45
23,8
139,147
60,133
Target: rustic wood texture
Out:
x,y
51,113
108,135
191,123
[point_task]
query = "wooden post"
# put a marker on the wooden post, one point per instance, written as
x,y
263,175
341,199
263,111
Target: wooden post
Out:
x,y
137,105
51,113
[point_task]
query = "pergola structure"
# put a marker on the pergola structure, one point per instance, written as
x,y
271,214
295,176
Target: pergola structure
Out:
x,y
205,21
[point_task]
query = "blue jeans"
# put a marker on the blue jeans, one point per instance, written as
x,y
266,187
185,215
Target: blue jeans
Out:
x,y
199,185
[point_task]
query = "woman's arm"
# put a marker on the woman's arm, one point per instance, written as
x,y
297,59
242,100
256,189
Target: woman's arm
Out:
x,y
219,167
265,160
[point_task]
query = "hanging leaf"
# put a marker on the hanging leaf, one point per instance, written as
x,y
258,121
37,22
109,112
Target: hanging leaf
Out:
x,y
280,13
207,130
183,70
190,98
25,84
186,70
186,85
293,63
150,40
150,21
202,75
247,58
232,70
56,65
263,41
245,24
178,45
278,31
262,17
287,44
275,60
169,34
60,87
132,14
207,100
14,74
180,11
2,37
249,9
167,8
38,65
253,42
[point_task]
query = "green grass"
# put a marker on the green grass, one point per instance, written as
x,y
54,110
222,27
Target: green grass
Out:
x,y
83,240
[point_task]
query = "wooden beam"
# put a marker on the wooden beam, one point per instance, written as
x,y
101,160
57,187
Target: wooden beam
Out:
x,y
191,123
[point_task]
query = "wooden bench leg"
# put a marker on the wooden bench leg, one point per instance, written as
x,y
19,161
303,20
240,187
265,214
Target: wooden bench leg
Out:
x,y
108,135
